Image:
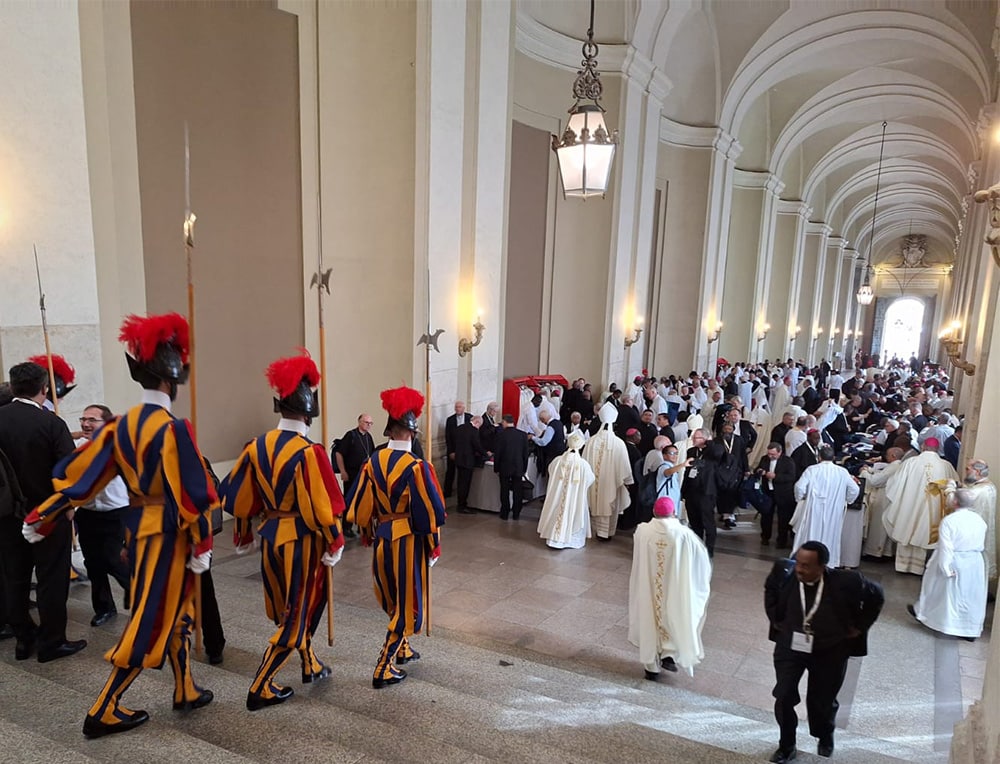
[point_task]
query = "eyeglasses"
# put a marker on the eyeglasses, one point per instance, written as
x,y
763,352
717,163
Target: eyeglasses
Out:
x,y
90,420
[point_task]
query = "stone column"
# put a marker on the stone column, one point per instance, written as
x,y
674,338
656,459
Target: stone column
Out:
x,y
751,238
786,266
810,286
829,315
848,307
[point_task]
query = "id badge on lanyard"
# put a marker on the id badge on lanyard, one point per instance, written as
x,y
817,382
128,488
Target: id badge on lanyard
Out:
x,y
802,641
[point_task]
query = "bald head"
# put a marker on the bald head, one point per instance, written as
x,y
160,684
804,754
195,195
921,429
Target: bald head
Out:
x,y
893,455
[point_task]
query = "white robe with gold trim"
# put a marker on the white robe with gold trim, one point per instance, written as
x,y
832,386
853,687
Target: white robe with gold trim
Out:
x,y
565,518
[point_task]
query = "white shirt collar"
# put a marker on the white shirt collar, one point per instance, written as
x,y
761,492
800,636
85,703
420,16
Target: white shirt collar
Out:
x,y
28,401
293,425
156,398
401,445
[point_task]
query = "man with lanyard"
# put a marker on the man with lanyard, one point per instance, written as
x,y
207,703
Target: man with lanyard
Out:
x,y
397,505
818,619
286,482
698,488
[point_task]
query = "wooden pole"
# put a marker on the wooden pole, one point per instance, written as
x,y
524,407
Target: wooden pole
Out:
x,y
189,220
329,607
45,335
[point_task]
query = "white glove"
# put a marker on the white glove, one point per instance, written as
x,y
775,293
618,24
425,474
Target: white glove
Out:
x,y
433,561
30,534
200,563
248,547
332,558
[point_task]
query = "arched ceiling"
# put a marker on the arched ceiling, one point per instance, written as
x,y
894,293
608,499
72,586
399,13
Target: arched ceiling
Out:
x,y
805,87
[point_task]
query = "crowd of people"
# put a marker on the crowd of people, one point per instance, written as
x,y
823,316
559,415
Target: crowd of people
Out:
x,y
837,468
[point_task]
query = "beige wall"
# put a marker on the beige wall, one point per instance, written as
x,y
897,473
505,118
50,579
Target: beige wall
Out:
x,y
779,290
231,72
45,196
529,185
739,324
678,325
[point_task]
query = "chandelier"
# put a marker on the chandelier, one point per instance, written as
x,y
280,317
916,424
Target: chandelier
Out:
x,y
585,151
865,293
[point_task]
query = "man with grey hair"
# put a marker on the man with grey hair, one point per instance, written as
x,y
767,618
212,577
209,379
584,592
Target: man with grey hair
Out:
x,y
823,492
953,592
984,503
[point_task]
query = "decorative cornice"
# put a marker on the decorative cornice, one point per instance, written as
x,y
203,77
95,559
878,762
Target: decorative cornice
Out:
x,y
794,207
753,179
837,241
851,255
641,69
818,228
699,137
537,41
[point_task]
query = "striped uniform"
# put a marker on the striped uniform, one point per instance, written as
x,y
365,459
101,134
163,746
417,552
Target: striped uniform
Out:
x,y
397,502
170,518
286,482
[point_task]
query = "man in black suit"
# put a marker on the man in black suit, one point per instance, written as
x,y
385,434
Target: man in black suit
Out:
x,y
663,427
807,454
818,619
647,432
451,424
488,430
510,462
699,489
353,450
469,455
35,440
811,399
776,474
780,430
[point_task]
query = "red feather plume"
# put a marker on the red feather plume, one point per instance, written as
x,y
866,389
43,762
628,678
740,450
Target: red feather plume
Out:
x,y
142,335
399,400
285,374
60,367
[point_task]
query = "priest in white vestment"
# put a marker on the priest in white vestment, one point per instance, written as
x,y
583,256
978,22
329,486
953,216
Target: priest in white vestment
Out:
x,y
527,420
565,519
607,455
913,508
823,493
953,592
984,504
877,541
668,592
763,422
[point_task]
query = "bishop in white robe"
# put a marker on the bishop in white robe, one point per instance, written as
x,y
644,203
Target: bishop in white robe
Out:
x,y
565,519
913,510
953,592
823,493
607,455
877,541
984,504
668,592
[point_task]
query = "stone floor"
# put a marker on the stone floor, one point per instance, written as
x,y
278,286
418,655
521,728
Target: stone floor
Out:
x,y
527,661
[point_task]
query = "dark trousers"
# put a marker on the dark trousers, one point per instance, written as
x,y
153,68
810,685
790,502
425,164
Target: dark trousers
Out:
x,y
449,476
464,484
211,621
727,500
826,676
511,484
701,518
49,559
102,537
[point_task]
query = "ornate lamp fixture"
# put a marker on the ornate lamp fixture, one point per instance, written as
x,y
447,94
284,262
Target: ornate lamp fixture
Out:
x,y
465,345
633,336
586,150
713,336
865,293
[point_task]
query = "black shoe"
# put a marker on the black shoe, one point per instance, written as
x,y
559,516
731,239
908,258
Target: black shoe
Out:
x,y
316,676
214,658
6,631
401,661
395,678
669,664
23,650
350,533
256,702
968,639
652,676
466,511
825,749
94,727
782,755
61,651
190,705
517,516
911,611
503,516
102,618
764,541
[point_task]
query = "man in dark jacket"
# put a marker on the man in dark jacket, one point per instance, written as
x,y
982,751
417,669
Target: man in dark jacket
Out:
x,y
699,490
35,440
469,455
510,462
776,475
807,454
818,619
451,424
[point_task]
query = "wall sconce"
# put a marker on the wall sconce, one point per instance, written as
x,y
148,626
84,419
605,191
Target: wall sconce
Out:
x,y
953,348
763,334
465,346
847,334
795,334
817,333
630,340
836,331
713,336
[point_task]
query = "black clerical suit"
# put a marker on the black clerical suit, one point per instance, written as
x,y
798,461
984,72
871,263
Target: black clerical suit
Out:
x,y
488,434
804,456
451,424
779,496
698,492
510,462
355,448
469,454
811,400
732,456
35,440
778,434
849,606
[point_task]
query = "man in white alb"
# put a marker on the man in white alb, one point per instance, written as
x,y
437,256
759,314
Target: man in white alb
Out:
x,y
607,455
877,542
823,493
565,518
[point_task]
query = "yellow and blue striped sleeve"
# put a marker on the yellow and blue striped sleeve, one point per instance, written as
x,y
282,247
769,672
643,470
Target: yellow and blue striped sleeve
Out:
x,y
241,497
187,486
319,498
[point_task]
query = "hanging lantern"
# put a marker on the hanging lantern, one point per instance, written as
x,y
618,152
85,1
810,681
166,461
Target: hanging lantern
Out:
x,y
865,293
